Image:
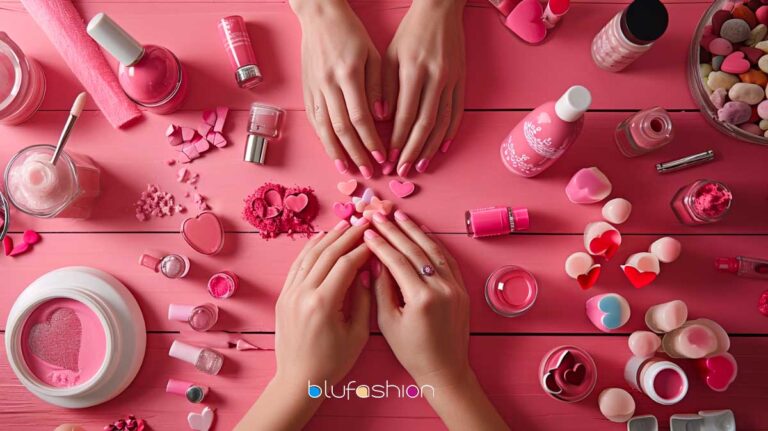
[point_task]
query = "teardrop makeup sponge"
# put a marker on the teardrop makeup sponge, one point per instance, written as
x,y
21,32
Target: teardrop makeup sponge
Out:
x,y
616,404
588,186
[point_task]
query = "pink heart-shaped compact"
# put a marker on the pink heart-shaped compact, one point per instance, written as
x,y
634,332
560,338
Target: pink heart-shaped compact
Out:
x,y
45,339
526,21
296,203
204,233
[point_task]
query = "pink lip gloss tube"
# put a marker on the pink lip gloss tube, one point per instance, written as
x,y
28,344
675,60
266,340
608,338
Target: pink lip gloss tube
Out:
x,y
234,35
496,221
555,11
643,132
743,266
22,86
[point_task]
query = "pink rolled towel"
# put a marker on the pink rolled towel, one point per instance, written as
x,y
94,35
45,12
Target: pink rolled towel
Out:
x,y
65,28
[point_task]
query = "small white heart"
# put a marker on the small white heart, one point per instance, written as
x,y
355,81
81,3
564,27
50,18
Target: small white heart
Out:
x,y
201,421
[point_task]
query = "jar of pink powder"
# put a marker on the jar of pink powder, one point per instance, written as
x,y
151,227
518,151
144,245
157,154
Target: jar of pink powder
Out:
x,y
702,202
75,337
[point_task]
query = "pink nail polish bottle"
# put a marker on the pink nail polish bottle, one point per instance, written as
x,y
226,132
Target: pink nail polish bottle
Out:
x,y
643,132
495,221
171,266
22,83
263,126
234,35
743,266
150,75
545,133
204,359
629,34
200,318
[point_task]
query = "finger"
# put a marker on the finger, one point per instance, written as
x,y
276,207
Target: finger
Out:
x,y
396,263
297,262
451,260
411,83
373,84
343,273
435,253
322,123
457,112
360,310
387,302
437,136
422,127
335,249
310,259
358,108
345,131
309,103
389,86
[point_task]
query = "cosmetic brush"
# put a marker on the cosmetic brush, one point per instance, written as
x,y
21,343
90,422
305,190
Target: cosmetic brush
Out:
x,y
74,114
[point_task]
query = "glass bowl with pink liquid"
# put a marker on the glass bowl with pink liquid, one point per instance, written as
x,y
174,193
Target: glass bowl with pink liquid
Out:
x,y
511,291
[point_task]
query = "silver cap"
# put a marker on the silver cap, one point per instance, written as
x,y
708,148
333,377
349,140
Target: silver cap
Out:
x,y
248,76
256,149
115,40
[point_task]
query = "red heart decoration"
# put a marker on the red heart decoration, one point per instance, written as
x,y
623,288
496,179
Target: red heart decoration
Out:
x,y
590,278
296,203
718,371
204,233
606,244
46,339
343,210
637,278
525,21
574,376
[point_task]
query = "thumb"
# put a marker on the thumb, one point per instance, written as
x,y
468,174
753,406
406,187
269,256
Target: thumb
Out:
x,y
360,313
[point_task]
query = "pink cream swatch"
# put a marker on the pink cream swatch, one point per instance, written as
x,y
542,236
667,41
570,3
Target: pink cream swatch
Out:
x,y
63,342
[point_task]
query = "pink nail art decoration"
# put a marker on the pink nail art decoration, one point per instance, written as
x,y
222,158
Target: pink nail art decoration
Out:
x,y
45,339
588,186
204,233
347,187
402,189
641,269
601,239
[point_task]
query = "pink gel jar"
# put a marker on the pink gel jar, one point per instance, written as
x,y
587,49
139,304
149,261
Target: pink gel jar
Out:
x,y
264,125
223,284
511,291
36,187
568,373
22,83
702,202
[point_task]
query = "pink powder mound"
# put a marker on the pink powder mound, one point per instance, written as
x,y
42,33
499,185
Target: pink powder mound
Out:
x,y
219,286
272,218
63,342
712,200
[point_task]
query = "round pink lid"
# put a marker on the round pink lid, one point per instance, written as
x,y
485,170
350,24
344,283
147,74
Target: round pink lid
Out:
x,y
522,219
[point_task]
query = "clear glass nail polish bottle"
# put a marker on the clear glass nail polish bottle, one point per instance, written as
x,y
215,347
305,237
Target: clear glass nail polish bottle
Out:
x,y
204,359
264,125
702,202
643,132
171,266
743,266
200,318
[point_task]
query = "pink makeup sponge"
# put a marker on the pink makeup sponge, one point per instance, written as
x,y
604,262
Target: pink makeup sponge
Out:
x,y
644,344
666,249
616,404
588,186
617,210
608,312
666,317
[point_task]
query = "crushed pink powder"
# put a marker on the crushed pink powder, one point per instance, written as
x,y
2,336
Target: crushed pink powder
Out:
x,y
272,218
156,203
712,200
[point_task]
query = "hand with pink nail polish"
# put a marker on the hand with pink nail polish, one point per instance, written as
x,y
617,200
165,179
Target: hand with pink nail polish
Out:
x,y
423,82
315,340
341,74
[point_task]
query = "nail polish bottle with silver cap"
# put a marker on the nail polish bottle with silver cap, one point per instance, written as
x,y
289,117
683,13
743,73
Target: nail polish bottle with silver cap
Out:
x,y
264,125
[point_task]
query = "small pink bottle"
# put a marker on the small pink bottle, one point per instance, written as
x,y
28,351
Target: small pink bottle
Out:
x,y
743,266
629,34
204,359
150,75
643,132
22,83
200,318
545,133
496,221
171,266
234,35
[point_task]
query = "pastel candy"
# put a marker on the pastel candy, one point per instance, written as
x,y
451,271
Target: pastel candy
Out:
x,y
718,97
763,63
588,186
735,30
644,344
721,79
763,125
735,63
717,62
608,312
718,19
617,210
754,77
578,264
744,13
762,15
757,34
752,54
763,46
666,317
734,112
616,404
762,110
705,69
666,249
751,128
720,46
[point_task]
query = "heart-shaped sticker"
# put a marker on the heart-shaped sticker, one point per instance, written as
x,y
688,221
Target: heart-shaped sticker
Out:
x,y
606,244
590,278
343,210
201,421
296,203
57,341
637,278
718,371
525,21
347,187
402,189
204,233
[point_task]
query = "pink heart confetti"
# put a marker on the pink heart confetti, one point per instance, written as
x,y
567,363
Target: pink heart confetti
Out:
x,y
57,341
347,187
20,249
31,237
343,210
296,203
217,139
221,118
402,189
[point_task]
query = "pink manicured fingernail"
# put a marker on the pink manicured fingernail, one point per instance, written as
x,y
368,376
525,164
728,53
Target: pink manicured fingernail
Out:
x,y
366,172
370,234
365,279
422,166
379,156
387,168
401,216
362,221
380,109
379,218
446,145
341,166
342,225
394,154
375,267
404,169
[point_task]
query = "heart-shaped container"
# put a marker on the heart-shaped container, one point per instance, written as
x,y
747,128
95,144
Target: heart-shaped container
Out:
x,y
570,393
106,305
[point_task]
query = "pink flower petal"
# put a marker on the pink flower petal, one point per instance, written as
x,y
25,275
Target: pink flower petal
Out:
x,y
20,249
31,237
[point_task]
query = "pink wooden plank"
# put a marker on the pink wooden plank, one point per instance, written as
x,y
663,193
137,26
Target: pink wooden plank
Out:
x,y
471,175
262,266
503,72
506,367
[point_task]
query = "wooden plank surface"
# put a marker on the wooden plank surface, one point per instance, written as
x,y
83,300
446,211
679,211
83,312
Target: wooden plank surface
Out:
x,y
506,368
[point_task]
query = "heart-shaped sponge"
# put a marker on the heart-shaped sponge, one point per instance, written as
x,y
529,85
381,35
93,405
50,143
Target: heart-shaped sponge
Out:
x,y
204,233
525,21
402,189
637,278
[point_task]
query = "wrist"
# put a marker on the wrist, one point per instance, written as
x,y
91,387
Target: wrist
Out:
x,y
309,9
448,380
449,7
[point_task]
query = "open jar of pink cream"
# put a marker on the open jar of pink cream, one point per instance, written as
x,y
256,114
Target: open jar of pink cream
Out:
x,y
702,202
75,337
22,83
511,291
39,188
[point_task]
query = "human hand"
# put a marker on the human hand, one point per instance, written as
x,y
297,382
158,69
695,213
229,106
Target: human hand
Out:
x,y
341,74
423,77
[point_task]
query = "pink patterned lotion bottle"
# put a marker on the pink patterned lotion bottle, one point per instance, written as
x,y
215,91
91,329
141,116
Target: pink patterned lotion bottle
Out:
x,y
545,133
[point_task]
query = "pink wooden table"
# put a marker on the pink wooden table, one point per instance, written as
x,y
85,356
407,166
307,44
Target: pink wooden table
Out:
x,y
504,81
